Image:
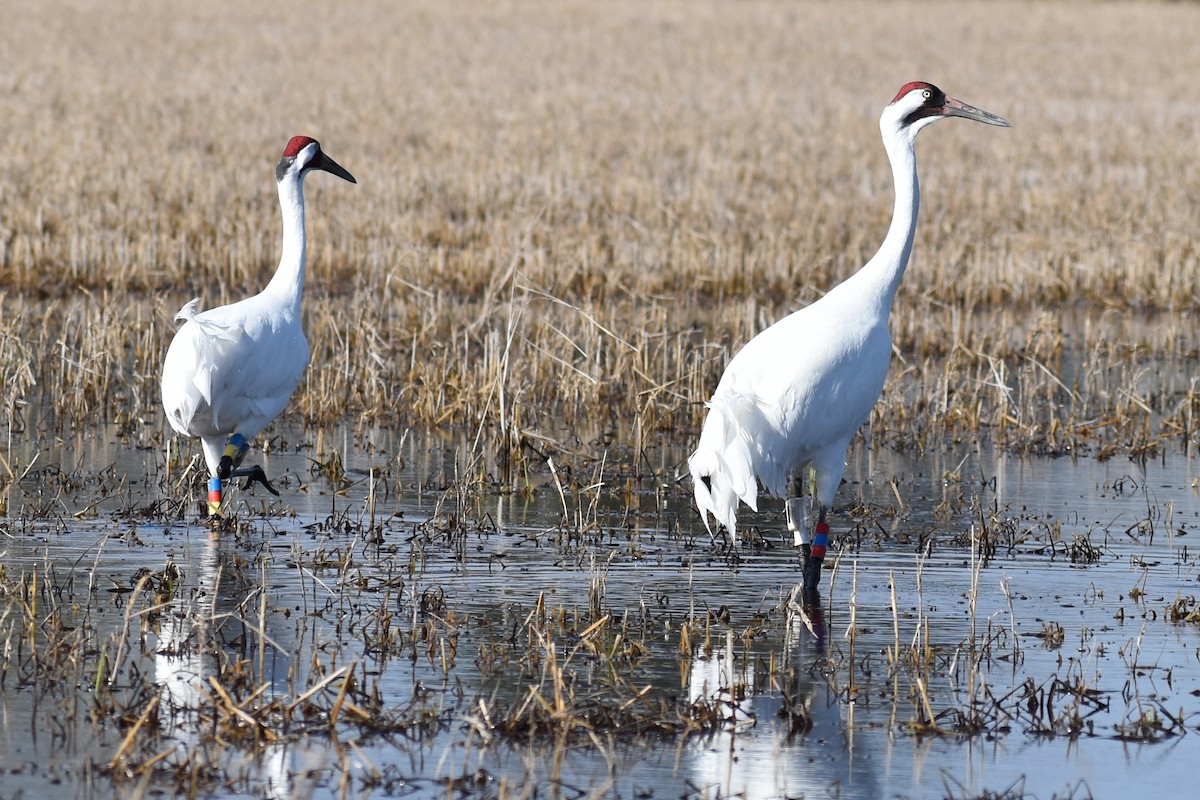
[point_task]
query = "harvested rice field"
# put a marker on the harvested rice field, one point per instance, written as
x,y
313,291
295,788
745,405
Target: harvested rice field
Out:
x,y
484,575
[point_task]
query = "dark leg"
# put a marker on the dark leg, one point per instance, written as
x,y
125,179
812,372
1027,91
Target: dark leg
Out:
x,y
235,451
812,548
231,464
813,557
230,467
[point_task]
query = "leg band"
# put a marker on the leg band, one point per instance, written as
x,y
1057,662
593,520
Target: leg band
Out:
x,y
235,449
214,497
795,521
820,539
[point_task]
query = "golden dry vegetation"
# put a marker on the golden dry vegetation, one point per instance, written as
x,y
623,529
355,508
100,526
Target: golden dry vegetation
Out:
x,y
570,214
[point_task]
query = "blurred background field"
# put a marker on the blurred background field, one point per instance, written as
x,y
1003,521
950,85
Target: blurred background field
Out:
x,y
569,215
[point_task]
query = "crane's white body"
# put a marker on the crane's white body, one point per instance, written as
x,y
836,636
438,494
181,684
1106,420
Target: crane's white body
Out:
x,y
796,394
233,368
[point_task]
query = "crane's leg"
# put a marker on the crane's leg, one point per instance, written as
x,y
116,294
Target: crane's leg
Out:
x,y
812,546
235,450
797,508
797,515
214,498
814,559
230,467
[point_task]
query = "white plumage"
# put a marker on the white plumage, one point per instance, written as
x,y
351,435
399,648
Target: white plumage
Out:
x,y
758,426
793,397
231,370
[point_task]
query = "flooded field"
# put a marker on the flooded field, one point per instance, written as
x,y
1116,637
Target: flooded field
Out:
x,y
569,216
994,626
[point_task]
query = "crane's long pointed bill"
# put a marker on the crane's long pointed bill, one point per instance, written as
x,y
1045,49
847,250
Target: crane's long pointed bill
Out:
x,y
957,108
331,166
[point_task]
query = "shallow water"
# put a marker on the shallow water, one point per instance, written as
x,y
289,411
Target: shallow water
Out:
x,y
1079,682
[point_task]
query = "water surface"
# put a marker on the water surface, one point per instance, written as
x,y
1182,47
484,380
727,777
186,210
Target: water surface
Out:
x,y
1040,614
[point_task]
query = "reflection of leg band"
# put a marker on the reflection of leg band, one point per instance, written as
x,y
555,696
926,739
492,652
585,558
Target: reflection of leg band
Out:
x,y
235,449
820,539
795,521
214,497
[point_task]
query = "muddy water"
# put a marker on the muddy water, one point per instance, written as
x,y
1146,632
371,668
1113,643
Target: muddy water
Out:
x,y
1032,618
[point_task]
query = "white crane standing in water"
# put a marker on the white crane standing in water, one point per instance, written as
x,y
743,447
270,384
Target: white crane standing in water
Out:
x,y
793,397
230,370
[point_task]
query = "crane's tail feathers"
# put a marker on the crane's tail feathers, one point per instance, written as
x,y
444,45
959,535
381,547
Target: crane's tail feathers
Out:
x,y
209,327
204,346
188,312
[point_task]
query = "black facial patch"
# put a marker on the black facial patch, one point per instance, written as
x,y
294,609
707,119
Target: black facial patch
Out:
x,y
932,107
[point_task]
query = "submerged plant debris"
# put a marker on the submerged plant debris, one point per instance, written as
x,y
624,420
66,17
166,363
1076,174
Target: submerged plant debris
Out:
x,y
353,645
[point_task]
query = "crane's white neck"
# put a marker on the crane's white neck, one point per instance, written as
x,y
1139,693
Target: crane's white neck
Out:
x,y
879,279
288,282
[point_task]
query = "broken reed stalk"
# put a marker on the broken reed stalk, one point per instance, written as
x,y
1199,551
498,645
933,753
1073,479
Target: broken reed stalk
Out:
x,y
894,656
261,628
131,735
852,630
118,655
236,710
336,711
561,494
316,688
976,651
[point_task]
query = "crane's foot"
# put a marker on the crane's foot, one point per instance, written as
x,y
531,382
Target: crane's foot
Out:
x,y
254,474
227,468
220,524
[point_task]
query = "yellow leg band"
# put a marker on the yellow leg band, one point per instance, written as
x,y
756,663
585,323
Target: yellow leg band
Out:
x,y
235,449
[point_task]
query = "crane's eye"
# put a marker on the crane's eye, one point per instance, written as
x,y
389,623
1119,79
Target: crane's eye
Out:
x,y
926,94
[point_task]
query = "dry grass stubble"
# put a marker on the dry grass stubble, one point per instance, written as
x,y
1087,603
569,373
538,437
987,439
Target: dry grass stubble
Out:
x,y
569,216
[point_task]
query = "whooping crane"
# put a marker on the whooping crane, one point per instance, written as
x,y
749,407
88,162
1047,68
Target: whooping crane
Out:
x,y
793,397
230,370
